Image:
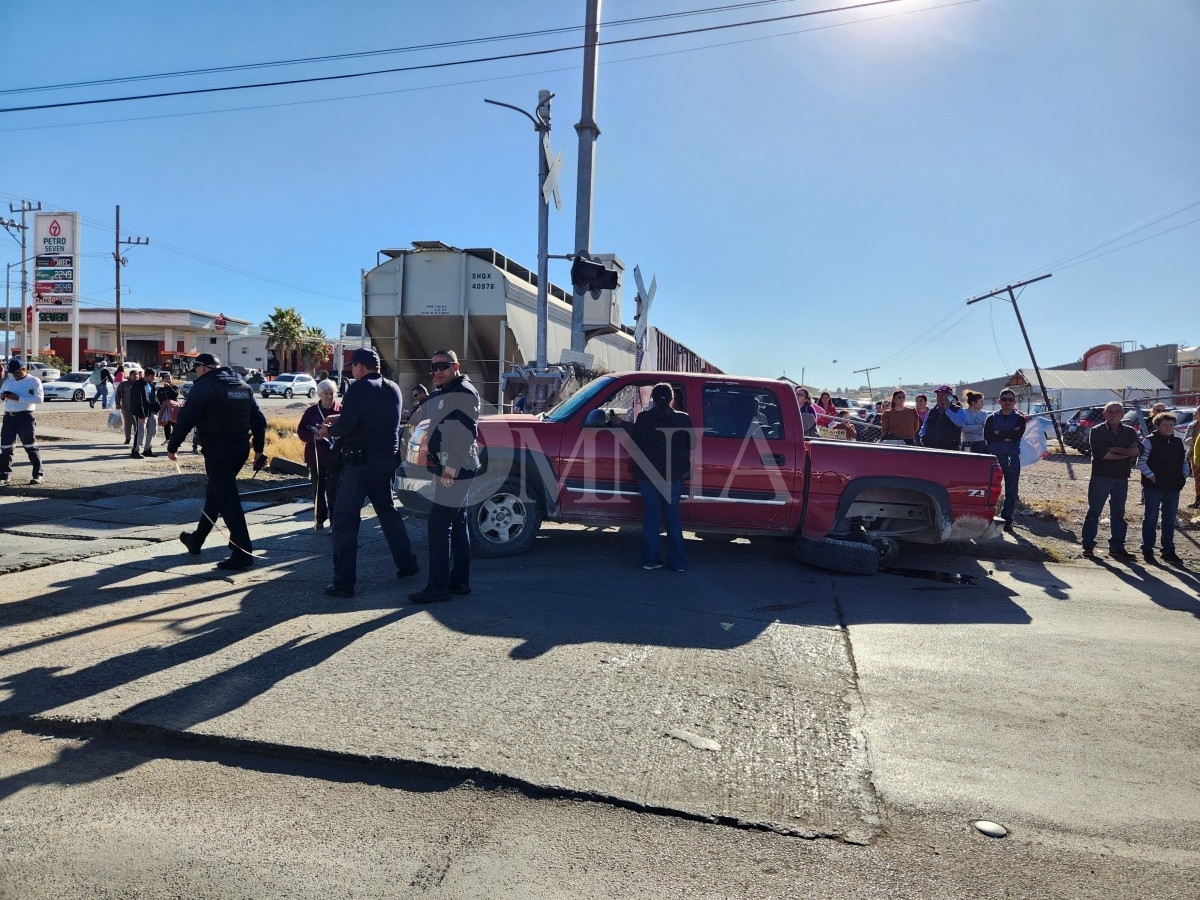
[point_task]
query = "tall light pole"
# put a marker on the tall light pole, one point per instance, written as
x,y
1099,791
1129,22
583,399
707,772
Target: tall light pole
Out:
x,y
8,307
1008,288
546,187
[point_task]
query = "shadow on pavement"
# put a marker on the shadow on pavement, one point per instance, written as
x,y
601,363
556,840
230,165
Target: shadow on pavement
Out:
x,y
1145,577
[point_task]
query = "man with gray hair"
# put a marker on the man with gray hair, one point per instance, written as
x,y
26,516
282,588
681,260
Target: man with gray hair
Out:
x,y
1115,448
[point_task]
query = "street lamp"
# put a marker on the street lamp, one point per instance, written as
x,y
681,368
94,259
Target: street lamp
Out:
x,y
541,124
8,307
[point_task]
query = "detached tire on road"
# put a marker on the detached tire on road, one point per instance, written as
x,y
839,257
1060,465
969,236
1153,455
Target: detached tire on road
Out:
x,y
506,522
851,557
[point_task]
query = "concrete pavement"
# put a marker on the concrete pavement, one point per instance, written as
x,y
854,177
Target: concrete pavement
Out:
x,y
749,690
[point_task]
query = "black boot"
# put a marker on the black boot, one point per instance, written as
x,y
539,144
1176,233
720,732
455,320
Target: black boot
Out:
x,y
189,540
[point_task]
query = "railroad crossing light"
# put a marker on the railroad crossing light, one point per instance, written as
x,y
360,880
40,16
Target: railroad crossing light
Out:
x,y
592,276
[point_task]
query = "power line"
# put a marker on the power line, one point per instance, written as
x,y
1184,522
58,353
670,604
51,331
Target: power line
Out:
x,y
443,65
484,80
363,54
1062,261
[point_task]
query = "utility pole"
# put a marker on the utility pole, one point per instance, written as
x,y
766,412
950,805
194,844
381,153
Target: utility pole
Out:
x,y
868,372
119,261
25,207
588,131
1008,288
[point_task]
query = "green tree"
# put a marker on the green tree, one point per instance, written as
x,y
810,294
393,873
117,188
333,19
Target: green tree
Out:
x,y
314,345
285,335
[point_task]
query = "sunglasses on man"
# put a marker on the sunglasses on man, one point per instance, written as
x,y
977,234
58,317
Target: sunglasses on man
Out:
x,y
440,367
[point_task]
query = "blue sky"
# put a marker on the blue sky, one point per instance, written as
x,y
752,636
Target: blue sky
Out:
x,y
816,195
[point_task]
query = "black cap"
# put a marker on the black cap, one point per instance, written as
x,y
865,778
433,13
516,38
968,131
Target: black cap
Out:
x,y
365,356
206,359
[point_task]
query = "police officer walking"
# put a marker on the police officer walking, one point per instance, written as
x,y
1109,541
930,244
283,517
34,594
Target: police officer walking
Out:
x,y
453,458
221,408
21,393
367,432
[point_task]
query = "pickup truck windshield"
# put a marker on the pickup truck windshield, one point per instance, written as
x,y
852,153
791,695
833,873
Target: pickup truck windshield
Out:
x,y
576,401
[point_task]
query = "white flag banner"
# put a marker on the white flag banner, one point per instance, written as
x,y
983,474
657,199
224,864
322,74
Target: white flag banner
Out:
x,y
1033,443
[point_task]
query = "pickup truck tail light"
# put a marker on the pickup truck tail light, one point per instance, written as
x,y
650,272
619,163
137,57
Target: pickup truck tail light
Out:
x,y
997,485
1085,423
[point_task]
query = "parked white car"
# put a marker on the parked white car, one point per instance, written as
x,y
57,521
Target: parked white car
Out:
x,y
289,385
43,372
72,386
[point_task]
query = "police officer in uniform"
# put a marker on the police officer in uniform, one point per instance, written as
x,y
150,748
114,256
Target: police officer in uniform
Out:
x,y
453,459
221,408
367,432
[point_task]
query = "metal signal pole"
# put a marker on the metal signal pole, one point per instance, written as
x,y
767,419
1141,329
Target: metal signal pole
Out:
x,y
588,131
1008,288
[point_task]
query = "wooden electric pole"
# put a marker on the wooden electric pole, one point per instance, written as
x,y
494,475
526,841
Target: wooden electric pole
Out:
x,y
1008,288
120,260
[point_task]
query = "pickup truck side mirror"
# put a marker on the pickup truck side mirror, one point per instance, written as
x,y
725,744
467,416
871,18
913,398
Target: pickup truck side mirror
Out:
x,y
595,419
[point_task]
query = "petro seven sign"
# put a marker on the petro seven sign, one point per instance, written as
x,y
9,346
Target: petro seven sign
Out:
x,y
56,261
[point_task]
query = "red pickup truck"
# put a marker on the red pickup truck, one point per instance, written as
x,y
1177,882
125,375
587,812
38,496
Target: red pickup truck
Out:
x,y
846,505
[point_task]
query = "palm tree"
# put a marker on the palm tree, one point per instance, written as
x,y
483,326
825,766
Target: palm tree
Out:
x,y
314,345
285,334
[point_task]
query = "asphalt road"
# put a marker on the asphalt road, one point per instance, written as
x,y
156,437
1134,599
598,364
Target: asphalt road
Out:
x,y
579,727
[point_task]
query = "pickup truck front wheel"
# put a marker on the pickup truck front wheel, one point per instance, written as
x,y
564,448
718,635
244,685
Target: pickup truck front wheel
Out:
x,y
851,557
506,523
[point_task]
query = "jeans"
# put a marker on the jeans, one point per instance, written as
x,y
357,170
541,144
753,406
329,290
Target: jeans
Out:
x,y
655,507
1104,489
101,396
19,425
1168,501
1010,464
371,480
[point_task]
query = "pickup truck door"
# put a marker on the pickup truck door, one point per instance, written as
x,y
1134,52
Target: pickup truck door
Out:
x,y
597,472
744,464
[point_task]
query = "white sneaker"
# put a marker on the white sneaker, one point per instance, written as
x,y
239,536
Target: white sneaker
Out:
x,y
4,481
36,479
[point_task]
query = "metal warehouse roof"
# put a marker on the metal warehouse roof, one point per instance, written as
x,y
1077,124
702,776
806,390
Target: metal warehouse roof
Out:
x,y
1073,379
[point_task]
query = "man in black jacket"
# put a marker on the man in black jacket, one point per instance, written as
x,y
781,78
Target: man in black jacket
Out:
x,y
367,432
143,406
1114,449
1164,468
453,458
221,407
938,429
